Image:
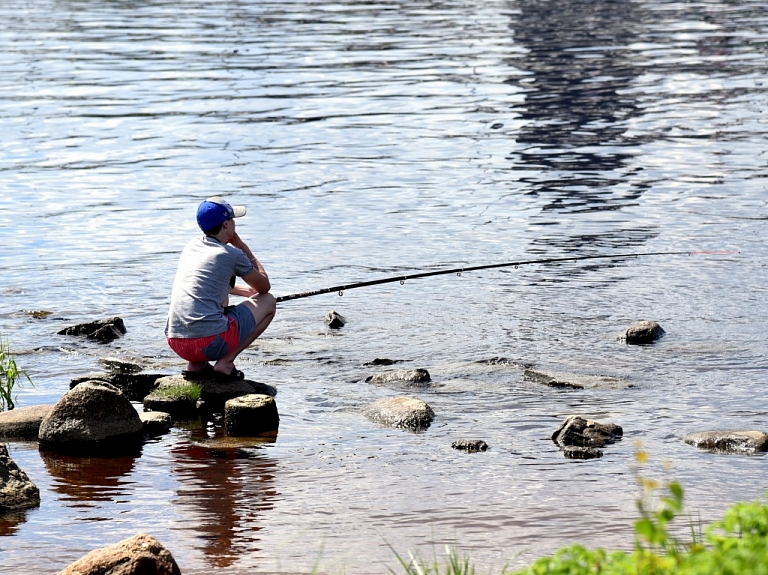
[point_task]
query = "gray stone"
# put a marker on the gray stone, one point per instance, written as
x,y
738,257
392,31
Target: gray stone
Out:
x,y
411,377
402,412
23,422
643,332
335,320
93,418
101,331
16,490
156,423
576,431
250,415
214,394
141,554
730,441
119,365
470,445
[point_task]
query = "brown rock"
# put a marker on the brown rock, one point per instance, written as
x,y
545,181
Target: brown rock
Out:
x,y
250,415
138,555
23,422
16,489
730,441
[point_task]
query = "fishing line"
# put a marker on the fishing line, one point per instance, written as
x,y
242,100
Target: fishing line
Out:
x,y
458,271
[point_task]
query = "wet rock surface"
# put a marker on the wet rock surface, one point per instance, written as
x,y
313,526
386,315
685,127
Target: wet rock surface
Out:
x,y
730,441
335,320
642,332
100,331
156,423
23,423
250,415
565,380
410,377
17,491
141,554
470,445
93,418
402,412
579,438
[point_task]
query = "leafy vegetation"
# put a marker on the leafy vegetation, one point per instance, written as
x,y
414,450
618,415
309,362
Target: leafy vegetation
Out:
x,y
735,545
10,377
190,391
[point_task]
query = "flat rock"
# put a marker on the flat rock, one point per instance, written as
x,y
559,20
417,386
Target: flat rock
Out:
x,y
566,380
470,445
141,554
17,491
93,418
215,394
642,332
120,365
730,441
410,377
402,412
23,422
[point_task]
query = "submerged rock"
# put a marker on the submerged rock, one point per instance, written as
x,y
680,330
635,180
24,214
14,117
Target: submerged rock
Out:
x,y
730,441
16,489
414,377
23,422
402,412
576,431
643,332
141,554
572,452
382,361
565,380
93,418
335,320
251,415
470,445
101,331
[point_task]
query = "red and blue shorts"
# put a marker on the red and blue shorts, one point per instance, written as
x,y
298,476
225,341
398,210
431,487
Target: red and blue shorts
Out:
x,y
241,324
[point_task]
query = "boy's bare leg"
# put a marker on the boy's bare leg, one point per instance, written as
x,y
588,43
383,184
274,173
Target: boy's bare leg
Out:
x,y
263,307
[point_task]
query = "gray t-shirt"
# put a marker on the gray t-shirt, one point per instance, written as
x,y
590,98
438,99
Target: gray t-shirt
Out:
x,y
201,287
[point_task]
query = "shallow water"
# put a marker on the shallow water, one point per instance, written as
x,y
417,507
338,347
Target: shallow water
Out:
x,y
371,139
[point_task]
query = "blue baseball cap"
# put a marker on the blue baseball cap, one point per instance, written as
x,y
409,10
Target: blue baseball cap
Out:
x,y
215,211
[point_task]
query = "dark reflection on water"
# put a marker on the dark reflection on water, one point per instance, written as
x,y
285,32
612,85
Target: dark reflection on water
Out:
x,y
225,490
84,481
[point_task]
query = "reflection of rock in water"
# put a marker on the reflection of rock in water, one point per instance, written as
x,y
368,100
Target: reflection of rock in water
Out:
x,y
223,490
573,148
89,478
10,521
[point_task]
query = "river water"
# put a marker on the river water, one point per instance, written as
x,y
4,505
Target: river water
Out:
x,y
378,138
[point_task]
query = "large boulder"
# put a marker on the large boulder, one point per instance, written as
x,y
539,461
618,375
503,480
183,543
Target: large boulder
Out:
x,y
730,441
141,554
93,418
16,489
136,386
23,422
402,412
642,332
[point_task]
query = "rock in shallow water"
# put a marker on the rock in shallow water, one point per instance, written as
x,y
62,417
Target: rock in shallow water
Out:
x,y
16,490
643,332
578,438
402,412
470,445
141,554
93,418
251,415
23,422
730,441
412,377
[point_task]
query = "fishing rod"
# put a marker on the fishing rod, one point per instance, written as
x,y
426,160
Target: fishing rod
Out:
x,y
458,271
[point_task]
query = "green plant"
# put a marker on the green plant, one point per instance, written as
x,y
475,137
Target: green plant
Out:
x,y
454,565
190,391
10,377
